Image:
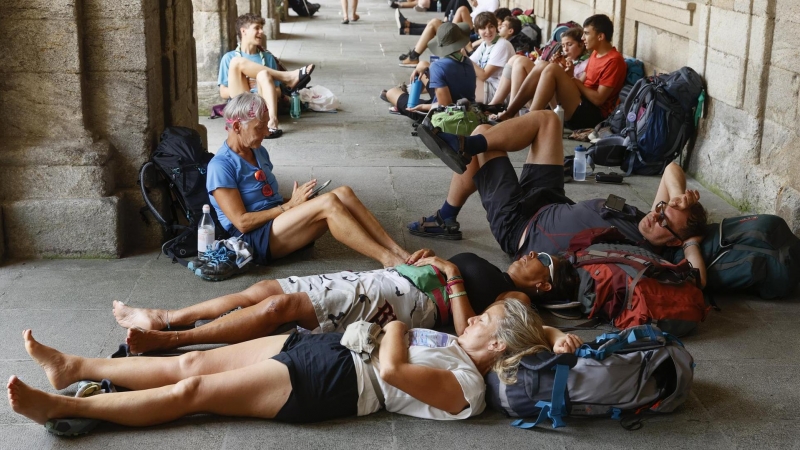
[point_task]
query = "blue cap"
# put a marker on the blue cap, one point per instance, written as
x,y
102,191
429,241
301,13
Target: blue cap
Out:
x,y
580,149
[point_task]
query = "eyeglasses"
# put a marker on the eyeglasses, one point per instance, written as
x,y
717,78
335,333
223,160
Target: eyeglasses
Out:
x,y
547,261
661,209
266,190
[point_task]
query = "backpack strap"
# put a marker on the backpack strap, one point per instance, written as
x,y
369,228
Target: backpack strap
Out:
x,y
556,407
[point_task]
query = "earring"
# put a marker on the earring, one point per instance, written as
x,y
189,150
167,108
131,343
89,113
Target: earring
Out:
x,y
537,290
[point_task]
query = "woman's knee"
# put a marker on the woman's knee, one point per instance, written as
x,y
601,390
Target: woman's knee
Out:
x,y
188,364
331,202
344,193
186,390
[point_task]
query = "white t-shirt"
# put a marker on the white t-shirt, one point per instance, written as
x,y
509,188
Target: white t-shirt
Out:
x,y
485,5
431,349
493,55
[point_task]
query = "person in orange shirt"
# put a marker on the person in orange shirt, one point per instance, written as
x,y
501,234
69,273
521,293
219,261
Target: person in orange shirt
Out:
x,y
586,103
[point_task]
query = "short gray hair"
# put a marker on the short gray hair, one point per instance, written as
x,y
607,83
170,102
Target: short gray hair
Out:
x,y
244,108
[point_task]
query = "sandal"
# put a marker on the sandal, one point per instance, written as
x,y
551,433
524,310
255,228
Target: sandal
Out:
x,y
345,22
393,110
274,133
436,228
305,77
383,96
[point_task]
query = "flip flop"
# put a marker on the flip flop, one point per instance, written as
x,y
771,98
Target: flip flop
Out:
x,y
274,133
345,22
305,77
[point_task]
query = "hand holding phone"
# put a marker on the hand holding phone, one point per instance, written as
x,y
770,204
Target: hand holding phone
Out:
x,y
319,189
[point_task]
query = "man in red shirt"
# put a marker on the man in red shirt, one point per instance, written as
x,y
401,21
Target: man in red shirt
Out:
x,y
586,103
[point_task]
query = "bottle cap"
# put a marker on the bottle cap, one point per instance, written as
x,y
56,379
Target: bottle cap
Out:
x,y
580,148
206,209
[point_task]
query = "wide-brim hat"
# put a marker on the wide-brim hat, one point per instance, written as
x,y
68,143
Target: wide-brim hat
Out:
x,y
450,38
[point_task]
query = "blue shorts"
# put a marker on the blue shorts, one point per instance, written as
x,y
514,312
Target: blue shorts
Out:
x,y
323,377
258,240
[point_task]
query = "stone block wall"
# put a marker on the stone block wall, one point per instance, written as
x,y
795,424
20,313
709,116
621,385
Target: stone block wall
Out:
x,y
747,52
85,106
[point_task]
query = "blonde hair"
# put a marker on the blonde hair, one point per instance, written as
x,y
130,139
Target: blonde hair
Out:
x,y
522,332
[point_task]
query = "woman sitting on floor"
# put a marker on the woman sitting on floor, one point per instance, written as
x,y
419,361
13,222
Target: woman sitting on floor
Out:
x,y
244,193
299,378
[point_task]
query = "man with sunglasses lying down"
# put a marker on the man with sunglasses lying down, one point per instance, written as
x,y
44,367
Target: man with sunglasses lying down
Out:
x,y
330,302
532,211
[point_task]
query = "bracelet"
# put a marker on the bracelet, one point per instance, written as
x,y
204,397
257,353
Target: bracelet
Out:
x,y
458,294
281,207
454,278
454,282
689,244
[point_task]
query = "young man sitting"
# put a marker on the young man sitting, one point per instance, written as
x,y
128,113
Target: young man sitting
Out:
x,y
252,68
490,57
510,29
533,212
451,77
586,103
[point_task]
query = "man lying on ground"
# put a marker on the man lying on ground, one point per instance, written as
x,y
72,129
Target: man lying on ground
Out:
x,y
330,302
533,212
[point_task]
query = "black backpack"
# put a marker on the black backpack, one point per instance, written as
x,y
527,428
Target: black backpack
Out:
x,y
652,125
179,163
757,254
303,8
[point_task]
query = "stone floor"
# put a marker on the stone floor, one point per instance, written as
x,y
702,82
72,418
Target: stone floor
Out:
x,y
745,384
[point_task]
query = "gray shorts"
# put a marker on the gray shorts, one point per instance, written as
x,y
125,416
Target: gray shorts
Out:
x,y
378,296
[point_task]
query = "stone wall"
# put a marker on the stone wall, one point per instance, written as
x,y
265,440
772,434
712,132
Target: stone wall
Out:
x,y
747,52
85,103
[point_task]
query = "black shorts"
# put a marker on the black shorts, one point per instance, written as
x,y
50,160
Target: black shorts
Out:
x,y
510,203
402,104
323,376
586,115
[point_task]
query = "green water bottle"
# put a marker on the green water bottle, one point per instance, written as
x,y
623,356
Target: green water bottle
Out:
x,y
294,111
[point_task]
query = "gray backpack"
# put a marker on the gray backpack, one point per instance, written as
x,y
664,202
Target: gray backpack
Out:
x,y
619,375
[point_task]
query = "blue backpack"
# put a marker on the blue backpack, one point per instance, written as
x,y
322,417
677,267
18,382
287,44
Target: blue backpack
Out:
x,y
619,375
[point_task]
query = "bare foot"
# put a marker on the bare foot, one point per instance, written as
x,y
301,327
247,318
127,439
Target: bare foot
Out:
x,y
149,319
393,261
355,17
31,403
142,341
57,366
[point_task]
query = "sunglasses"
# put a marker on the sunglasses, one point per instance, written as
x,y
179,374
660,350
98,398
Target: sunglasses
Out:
x,y
266,190
547,261
663,222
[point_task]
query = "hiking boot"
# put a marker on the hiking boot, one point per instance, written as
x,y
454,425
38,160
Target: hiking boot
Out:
x,y
455,158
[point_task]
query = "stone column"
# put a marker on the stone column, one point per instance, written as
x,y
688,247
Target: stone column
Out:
x,y
273,15
84,110
214,35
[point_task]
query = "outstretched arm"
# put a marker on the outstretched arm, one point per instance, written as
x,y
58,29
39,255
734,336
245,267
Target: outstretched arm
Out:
x,y
562,342
436,387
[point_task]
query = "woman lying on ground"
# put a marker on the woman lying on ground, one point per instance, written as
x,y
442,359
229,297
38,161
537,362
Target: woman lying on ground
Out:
x,y
244,193
331,302
297,378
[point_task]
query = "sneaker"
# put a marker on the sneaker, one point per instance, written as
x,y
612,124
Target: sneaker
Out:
x,y
399,20
202,258
408,62
220,267
454,158
393,4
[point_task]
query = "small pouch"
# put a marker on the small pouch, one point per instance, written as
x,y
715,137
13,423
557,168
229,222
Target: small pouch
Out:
x,y
362,337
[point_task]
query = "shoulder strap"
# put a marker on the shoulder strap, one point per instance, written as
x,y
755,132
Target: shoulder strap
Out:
x,y
556,407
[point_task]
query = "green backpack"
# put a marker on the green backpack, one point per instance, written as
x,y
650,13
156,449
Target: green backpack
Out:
x,y
460,120
757,254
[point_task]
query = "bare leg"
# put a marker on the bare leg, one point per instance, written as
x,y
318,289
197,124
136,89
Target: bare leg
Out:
x,y
503,90
525,92
355,6
253,322
519,73
344,10
269,92
258,390
368,221
241,67
462,186
145,373
554,81
462,15
427,34
300,225
156,319
539,129
479,86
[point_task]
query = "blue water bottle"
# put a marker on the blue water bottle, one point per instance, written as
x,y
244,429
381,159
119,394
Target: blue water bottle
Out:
x,y
294,111
414,91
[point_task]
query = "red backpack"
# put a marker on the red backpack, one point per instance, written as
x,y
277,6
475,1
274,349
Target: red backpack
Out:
x,y
630,285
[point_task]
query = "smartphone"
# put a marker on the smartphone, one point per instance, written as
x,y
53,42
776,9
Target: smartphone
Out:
x,y
319,189
614,203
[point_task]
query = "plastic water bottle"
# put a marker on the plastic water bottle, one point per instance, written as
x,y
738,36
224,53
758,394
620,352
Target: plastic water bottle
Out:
x,y
560,113
294,111
414,91
438,5
579,164
205,231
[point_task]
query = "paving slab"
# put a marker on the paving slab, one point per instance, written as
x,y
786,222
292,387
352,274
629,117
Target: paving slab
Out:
x,y
746,377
